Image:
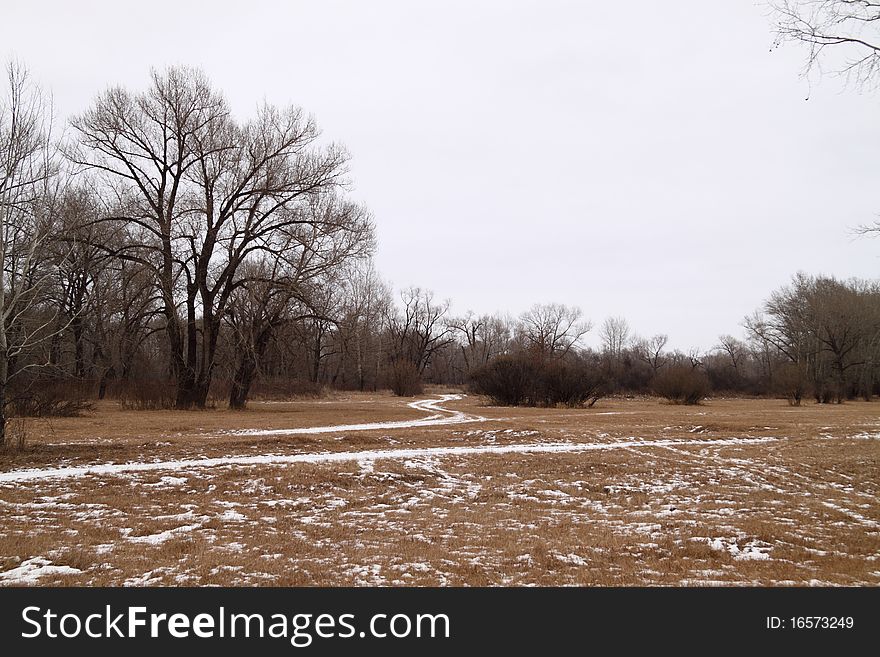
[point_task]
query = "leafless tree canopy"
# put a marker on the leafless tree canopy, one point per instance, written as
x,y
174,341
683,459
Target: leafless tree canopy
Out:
x,y
552,329
28,172
841,34
197,195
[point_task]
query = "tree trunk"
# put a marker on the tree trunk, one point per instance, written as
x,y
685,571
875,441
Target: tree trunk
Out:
x,y
186,383
241,382
3,373
77,329
55,350
316,356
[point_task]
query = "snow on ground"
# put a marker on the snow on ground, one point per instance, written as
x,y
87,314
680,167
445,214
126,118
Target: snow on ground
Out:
x,y
753,550
448,517
441,416
161,537
459,514
15,476
30,571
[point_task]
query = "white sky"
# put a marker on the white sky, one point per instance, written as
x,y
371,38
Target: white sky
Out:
x,y
647,159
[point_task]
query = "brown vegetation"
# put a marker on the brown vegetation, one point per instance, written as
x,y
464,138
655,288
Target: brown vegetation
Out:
x,y
797,510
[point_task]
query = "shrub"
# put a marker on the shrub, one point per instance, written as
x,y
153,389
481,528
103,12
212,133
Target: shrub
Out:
x,y
681,384
791,382
274,388
15,436
570,384
146,395
404,379
51,399
522,379
507,380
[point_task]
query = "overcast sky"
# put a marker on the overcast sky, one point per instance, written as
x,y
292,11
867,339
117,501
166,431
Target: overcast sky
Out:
x,y
648,159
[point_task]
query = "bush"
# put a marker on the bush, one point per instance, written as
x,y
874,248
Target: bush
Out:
x,y
507,380
681,384
570,384
404,379
51,399
15,436
277,388
791,382
146,395
522,379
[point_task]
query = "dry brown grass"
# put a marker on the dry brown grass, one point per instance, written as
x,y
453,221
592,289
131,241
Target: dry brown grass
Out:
x,y
643,515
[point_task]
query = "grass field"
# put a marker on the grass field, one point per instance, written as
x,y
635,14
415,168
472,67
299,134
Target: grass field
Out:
x,y
630,492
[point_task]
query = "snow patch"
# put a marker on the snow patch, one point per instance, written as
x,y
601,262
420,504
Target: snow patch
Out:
x,y
33,569
369,455
161,537
440,416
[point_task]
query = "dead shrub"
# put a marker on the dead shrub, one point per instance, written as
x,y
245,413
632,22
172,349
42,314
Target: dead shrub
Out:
x,y
51,399
14,436
571,383
404,379
145,395
507,380
281,388
681,384
791,382
523,379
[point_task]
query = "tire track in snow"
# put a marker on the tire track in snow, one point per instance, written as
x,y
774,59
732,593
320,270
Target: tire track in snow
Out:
x,y
17,476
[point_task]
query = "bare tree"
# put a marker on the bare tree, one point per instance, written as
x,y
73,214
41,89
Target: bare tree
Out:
x,y
843,34
695,358
78,265
123,308
482,338
303,280
553,329
650,350
614,334
418,330
828,329
28,169
734,349
257,309
851,28
200,194
367,301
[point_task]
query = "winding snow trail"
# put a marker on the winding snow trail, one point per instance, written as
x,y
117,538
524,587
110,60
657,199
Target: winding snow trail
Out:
x,y
441,416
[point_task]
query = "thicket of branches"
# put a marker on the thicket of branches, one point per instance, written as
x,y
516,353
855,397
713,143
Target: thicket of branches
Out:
x,y
170,255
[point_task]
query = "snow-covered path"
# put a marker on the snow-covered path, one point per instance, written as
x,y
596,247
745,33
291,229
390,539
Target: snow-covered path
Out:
x,y
16,476
440,416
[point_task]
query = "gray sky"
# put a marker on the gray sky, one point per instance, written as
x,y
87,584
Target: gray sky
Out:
x,y
647,159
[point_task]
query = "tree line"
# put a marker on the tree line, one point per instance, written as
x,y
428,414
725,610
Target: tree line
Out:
x,y
168,254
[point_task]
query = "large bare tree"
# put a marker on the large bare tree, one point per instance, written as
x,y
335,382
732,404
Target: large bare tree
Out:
x,y
828,329
198,194
28,175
